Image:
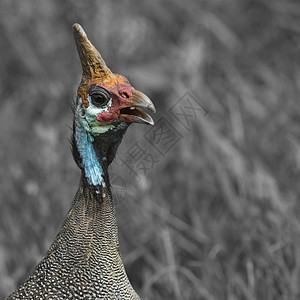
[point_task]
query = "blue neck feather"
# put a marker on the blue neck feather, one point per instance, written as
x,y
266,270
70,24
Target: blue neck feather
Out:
x,y
92,167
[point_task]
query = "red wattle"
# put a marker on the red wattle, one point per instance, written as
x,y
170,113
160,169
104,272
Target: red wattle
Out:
x,y
107,116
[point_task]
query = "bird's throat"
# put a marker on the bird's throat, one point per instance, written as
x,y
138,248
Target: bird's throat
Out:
x,y
97,152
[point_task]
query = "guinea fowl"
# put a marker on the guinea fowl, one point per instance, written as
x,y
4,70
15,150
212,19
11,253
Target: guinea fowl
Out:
x,y
84,261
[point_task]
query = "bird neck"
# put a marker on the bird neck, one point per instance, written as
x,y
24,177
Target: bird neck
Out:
x,y
93,213
94,153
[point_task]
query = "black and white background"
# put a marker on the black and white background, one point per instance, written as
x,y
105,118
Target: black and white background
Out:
x,y
208,198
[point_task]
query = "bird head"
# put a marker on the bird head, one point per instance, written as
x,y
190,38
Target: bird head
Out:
x,y
106,105
106,101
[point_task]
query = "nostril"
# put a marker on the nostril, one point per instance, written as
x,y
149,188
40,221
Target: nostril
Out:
x,y
125,95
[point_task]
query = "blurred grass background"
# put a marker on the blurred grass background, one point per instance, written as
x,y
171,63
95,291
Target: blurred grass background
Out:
x,y
218,219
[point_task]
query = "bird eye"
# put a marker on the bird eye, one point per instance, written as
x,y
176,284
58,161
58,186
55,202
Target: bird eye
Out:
x,y
99,100
99,96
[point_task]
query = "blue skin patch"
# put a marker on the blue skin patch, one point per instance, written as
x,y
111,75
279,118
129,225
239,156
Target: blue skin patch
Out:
x,y
92,168
84,139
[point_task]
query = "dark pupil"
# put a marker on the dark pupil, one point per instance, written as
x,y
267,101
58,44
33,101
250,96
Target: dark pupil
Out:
x,y
99,99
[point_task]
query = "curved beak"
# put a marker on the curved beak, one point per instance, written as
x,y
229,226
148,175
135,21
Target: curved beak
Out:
x,y
131,112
